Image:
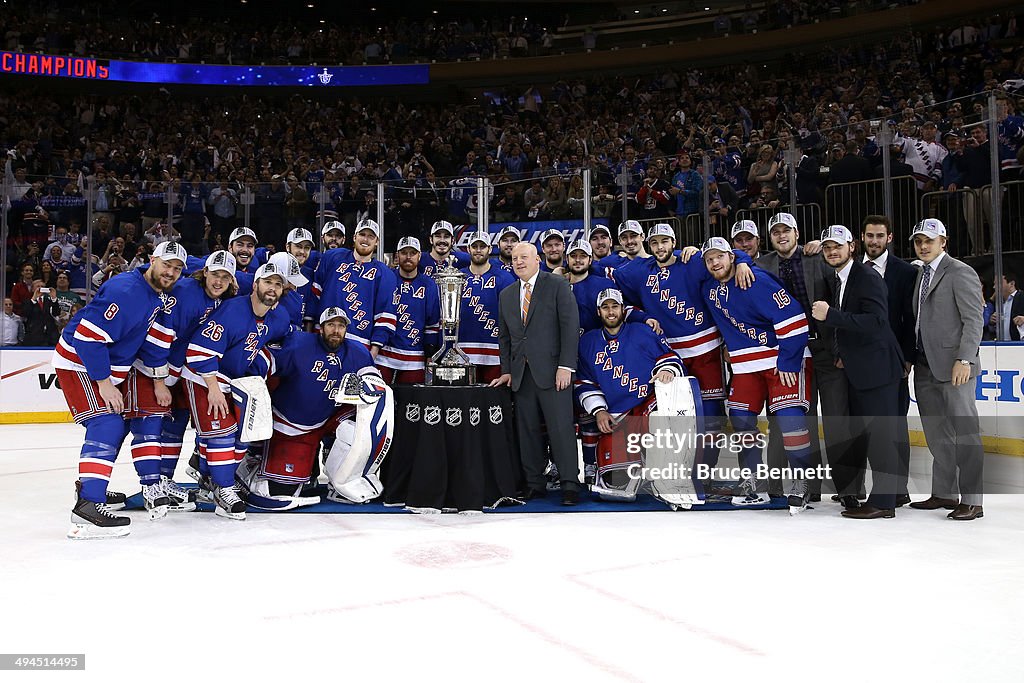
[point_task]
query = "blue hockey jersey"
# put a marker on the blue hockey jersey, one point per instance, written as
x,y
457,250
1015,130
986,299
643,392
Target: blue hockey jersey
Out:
x,y
309,376
185,309
105,338
672,296
418,312
428,264
586,292
230,341
615,372
478,319
763,326
365,291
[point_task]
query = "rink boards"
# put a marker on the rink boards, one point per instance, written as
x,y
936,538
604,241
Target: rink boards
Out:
x,y
29,393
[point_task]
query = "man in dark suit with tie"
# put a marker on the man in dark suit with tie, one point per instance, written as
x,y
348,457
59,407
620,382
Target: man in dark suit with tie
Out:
x,y
899,277
538,338
872,365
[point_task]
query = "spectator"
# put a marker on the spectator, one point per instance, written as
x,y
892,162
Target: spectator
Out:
x,y
22,291
12,327
41,313
687,186
509,207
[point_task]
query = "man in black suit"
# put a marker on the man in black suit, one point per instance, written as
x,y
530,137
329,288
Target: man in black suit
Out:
x,y
538,338
1012,313
872,363
899,277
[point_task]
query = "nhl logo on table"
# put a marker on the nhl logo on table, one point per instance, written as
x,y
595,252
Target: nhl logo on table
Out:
x,y
474,416
432,415
495,415
454,417
325,76
412,412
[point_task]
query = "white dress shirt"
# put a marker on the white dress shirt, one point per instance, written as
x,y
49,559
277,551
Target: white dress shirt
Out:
x,y
844,275
880,262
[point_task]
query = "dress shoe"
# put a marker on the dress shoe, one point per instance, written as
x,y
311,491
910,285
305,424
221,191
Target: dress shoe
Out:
x,y
859,496
902,500
849,502
868,512
531,494
966,512
570,497
814,498
935,503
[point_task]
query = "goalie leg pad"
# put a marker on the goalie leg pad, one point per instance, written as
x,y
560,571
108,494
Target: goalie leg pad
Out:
x,y
252,401
618,471
677,411
255,489
359,448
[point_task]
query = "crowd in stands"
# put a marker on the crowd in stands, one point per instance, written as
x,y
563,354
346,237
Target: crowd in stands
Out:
x,y
163,168
243,35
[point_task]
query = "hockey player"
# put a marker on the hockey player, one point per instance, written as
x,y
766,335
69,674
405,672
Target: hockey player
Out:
x,y
418,312
242,245
298,297
745,238
617,365
313,369
361,286
552,244
668,288
96,350
186,308
332,236
600,243
442,240
765,332
631,239
478,320
507,238
228,346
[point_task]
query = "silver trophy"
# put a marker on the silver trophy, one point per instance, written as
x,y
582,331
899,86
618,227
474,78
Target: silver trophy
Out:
x,y
450,366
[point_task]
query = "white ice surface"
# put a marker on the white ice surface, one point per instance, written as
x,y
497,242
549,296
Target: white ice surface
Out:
x,y
515,597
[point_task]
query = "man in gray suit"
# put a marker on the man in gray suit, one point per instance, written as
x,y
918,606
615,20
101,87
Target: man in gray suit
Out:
x,y
808,278
948,303
538,339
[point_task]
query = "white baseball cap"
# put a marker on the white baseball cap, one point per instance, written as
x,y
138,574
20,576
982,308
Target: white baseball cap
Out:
x,y
331,313
442,225
239,233
480,237
408,243
221,260
631,226
268,270
580,245
600,228
332,225
548,234
716,244
606,294
170,251
783,219
930,228
661,229
368,224
744,226
836,233
289,267
299,235
510,230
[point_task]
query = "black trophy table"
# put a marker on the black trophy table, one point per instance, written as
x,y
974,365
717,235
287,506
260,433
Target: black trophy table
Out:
x,y
454,447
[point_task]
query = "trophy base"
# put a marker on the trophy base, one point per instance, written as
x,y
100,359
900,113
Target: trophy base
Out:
x,y
450,375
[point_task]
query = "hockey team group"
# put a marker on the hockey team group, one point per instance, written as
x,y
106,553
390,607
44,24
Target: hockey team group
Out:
x,y
275,358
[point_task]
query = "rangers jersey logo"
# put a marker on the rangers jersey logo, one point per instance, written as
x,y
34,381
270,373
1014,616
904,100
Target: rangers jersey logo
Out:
x,y
474,416
412,412
453,417
495,415
432,415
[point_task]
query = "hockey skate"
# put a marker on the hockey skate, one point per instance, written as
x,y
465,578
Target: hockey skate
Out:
x,y
746,494
204,493
797,497
589,473
554,483
182,500
155,501
94,520
228,503
116,501
193,466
